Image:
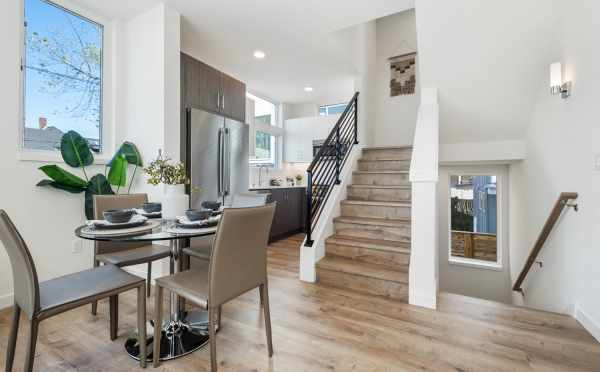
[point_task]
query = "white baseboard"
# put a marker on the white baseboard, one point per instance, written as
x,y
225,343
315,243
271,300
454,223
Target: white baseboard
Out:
x,y
419,299
6,301
588,322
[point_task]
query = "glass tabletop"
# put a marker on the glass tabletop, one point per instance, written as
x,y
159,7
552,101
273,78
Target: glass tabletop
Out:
x,y
160,230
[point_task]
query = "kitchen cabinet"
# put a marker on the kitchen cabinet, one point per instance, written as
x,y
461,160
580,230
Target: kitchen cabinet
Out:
x,y
207,88
290,212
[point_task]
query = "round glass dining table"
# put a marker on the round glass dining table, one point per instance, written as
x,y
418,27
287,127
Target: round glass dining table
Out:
x,y
183,331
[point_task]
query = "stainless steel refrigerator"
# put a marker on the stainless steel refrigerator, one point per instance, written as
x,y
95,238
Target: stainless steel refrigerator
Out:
x,y
217,156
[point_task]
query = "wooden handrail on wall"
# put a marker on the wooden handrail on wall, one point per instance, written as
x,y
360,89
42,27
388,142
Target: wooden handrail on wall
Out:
x,y
561,203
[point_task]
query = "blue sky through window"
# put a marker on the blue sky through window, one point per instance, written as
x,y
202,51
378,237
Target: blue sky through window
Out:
x,y
63,70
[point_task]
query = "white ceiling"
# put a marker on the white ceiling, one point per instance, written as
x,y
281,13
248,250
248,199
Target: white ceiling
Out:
x,y
298,36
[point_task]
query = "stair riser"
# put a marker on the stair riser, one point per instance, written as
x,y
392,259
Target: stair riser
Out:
x,y
362,193
384,165
392,233
372,286
375,211
396,154
380,179
373,256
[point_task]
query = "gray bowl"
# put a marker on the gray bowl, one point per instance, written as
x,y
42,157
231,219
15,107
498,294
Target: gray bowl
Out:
x,y
152,207
198,214
118,215
214,205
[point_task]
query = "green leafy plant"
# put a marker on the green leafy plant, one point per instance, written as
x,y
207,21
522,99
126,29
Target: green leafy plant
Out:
x,y
76,153
299,177
162,171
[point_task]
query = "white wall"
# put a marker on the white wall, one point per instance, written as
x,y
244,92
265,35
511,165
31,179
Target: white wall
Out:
x,y
35,210
364,52
395,117
299,110
300,133
470,280
563,143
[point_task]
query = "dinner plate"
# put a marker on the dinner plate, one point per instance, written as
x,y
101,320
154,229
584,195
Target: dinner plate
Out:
x,y
105,225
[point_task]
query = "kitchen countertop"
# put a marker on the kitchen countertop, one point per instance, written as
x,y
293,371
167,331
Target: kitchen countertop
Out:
x,y
276,187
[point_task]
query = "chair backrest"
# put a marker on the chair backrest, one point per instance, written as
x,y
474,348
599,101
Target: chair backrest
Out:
x,y
26,285
247,199
104,202
239,255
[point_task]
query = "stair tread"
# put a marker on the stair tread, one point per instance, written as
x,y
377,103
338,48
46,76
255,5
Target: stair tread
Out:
x,y
391,187
378,203
382,172
385,245
382,159
373,221
350,266
375,148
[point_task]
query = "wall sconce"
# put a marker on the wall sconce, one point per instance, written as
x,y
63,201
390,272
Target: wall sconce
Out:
x,y
556,84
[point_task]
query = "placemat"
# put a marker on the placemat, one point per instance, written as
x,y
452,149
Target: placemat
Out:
x,y
186,231
149,226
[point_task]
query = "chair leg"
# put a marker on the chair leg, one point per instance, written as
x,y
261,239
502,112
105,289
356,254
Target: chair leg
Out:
x,y
219,316
12,339
149,279
95,303
260,295
213,339
141,316
30,356
265,295
158,299
114,316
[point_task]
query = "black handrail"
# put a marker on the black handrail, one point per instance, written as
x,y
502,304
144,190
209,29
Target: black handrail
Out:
x,y
324,171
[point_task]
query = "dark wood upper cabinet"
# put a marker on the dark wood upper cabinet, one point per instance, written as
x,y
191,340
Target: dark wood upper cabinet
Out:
x,y
207,88
233,102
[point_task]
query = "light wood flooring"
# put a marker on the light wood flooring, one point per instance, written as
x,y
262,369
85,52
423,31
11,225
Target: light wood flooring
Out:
x,y
316,328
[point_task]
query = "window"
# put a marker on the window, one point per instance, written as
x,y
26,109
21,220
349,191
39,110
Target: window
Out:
x,y
336,109
62,74
473,218
267,132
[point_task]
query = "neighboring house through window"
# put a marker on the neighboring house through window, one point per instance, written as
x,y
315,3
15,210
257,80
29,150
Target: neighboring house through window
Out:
x,y
62,74
266,134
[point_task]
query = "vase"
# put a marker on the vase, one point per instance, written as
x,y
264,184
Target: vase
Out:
x,y
174,201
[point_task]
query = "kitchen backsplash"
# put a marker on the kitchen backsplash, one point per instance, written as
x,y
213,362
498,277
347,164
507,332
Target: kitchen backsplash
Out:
x,y
286,170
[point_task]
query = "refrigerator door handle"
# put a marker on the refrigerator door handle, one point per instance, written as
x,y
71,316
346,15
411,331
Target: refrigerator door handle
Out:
x,y
227,164
220,162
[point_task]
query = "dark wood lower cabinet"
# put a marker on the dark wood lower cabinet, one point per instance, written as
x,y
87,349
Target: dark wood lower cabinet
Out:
x,y
289,213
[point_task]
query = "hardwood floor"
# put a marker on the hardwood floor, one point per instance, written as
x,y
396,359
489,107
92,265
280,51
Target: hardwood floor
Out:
x,y
316,328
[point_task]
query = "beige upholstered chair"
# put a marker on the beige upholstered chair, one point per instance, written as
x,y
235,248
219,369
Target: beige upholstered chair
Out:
x,y
43,300
238,263
125,254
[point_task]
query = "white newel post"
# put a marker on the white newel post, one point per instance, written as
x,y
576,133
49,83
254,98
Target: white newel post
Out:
x,y
174,201
423,270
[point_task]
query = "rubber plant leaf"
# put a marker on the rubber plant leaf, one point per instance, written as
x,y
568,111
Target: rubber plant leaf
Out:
x,y
62,177
75,150
98,185
56,185
117,175
131,153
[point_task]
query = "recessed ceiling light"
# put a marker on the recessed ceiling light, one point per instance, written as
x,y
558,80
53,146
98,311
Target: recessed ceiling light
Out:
x,y
259,54
308,89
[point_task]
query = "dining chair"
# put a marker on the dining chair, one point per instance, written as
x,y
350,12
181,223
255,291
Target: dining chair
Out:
x,y
42,300
238,264
202,246
125,254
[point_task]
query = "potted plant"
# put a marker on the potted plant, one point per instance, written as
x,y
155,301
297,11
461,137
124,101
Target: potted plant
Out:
x,y
299,179
76,153
173,177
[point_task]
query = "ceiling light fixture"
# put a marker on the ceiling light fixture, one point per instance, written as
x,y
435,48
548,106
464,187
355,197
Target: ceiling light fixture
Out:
x,y
259,54
308,89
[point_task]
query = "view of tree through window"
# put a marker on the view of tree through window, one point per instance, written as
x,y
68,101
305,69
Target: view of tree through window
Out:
x,y
63,76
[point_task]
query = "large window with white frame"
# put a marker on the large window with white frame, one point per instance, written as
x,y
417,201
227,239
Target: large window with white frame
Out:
x,y
267,132
335,109
62,76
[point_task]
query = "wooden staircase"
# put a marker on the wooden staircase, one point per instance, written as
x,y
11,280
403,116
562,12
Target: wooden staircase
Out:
x,y
370,250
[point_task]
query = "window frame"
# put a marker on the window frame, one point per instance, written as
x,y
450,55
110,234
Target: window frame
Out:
x,y
275,129
107,103
327,107
500,217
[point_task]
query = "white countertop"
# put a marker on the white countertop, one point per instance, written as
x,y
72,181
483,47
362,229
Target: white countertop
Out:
x,y
276,187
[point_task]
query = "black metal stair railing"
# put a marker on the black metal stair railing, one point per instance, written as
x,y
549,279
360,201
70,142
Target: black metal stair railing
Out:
x,y
324,171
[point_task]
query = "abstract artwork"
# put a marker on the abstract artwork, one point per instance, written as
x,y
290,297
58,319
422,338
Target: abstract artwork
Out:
x,y
403,72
